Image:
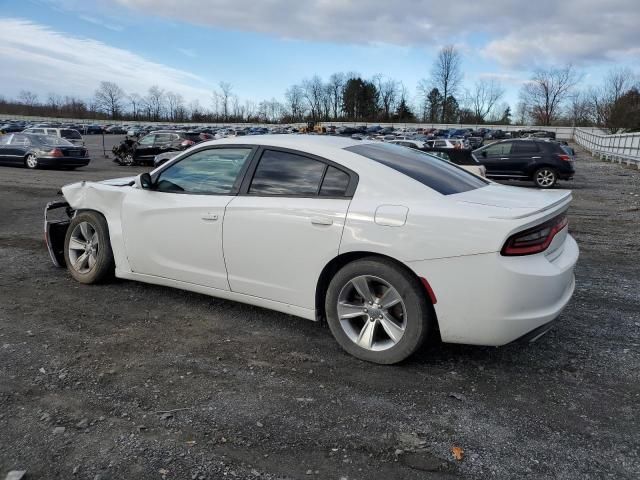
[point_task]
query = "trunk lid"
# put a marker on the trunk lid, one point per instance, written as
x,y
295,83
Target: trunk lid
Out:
x,y
514,202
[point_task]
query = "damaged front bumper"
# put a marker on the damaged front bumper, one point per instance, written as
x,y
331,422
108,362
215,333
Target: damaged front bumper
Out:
x,y
55,230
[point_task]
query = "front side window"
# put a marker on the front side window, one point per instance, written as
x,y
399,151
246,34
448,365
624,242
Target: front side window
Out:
x,y
283,173
4,139
440,176
206,172
146,141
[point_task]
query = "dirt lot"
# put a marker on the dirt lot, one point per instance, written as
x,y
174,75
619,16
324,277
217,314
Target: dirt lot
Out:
x,y
133,381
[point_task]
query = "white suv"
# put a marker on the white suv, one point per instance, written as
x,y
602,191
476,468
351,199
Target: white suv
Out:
x,y
68,134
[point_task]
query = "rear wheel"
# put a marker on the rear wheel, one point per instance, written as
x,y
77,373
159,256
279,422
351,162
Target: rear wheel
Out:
x,y
377,311
31,161
545,177
87,250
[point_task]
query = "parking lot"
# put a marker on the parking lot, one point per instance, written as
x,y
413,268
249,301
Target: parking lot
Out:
x,y
127,380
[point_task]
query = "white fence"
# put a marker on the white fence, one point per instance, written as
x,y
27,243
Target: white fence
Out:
x,y
621,147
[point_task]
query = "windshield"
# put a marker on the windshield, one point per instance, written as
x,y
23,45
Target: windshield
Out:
x,y
440,176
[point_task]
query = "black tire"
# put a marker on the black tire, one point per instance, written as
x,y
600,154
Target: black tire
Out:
x,y
545,177
418,319
103,267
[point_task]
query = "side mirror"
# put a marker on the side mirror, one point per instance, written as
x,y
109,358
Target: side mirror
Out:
x,y
144,181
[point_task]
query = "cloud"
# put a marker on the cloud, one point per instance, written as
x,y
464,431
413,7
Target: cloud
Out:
x,y
96,21
187,52
37,58
519,33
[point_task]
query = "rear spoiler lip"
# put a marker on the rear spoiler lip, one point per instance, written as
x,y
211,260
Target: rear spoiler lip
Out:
x,y
559,204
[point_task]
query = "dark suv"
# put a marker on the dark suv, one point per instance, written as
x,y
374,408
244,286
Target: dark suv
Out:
x,y
542,161
144,151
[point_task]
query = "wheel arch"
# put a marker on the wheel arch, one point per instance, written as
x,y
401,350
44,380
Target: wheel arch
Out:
x,y
331,268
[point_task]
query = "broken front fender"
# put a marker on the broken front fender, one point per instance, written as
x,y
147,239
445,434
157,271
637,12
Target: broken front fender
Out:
x,y
55,231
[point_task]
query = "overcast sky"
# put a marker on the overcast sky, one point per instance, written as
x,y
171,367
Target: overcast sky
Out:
x,y
262,47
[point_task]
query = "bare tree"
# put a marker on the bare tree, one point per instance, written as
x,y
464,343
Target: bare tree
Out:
x,y
483,98
135,100
28,98
175,104
108,98
225,95
54,101
547,90
155,103
388,91
446,75
295,98
617,82
313,90
336,86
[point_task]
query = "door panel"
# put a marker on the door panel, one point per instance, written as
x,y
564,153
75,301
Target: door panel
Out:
x,y
176,236
276,247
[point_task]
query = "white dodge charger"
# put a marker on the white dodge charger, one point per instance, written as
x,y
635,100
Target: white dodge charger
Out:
x,y
388,244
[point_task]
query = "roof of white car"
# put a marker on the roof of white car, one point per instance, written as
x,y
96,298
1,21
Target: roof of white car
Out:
x,y
307,143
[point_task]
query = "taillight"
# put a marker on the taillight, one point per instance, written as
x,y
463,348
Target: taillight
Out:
x,y
536,239
566,158
188,143
56,152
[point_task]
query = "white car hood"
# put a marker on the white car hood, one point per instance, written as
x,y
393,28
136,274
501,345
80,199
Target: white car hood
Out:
x,y
118,182
515,202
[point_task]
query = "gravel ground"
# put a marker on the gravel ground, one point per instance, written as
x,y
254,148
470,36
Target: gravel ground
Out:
x,y
126,380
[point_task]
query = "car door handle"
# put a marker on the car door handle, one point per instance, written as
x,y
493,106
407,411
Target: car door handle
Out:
x,y
504,158
321,221
210,217
536,158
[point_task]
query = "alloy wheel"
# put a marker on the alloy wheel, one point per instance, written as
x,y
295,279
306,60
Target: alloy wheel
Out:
x,y
372,313
84,247
545,178
32,161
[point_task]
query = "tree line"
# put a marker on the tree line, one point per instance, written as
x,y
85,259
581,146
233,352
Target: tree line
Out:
x,y
551,96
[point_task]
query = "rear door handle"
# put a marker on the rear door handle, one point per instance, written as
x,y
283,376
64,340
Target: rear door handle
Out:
x,y
210,217
321,221
536,158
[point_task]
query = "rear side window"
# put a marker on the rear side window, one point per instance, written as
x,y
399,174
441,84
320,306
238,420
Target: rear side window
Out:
x,y
525,147
283,173
73,134
498,149
440,176
335,183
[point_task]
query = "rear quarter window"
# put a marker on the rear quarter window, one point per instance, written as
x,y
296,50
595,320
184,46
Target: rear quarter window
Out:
x,y
440,176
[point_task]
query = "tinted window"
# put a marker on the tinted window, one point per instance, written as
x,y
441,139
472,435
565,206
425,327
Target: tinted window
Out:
x,y
440,176
335,183
148,140
212,171
498,149
164,138
4,139
281,173
525,147
71,134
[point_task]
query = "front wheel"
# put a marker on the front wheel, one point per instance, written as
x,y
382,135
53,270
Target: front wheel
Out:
x,y
377,311
545,177
87,249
